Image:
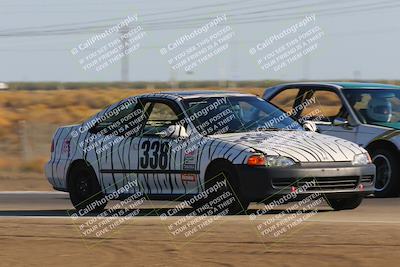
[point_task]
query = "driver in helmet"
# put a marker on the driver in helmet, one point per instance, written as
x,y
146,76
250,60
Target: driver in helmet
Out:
x,y
380,109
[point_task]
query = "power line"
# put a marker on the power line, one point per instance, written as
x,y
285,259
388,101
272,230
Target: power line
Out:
x,y
233,21
143,15
154,46
191,17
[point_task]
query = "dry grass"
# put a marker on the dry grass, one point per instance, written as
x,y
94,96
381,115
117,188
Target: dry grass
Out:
x,y
34,165
65,106
43,111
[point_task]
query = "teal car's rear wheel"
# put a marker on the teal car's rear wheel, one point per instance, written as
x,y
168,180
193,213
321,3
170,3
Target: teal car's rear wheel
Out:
x,y
387,173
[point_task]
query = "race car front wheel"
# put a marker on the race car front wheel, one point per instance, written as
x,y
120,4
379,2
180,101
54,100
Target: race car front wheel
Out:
x,y
387,173
226,198
84,189
345,203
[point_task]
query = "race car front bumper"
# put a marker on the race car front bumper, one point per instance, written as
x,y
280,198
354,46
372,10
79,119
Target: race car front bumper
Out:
x,y
334,180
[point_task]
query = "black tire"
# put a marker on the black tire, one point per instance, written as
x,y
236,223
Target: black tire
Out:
x,y
345,203
224,172
387,173
84,189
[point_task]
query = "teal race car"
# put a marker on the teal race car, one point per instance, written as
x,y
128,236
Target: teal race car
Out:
x,y
365,113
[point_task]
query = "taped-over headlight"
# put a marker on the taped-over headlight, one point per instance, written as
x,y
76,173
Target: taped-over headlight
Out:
x,y
278,161
361,159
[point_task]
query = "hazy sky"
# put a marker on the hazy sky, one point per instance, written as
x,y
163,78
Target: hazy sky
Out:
x,y
361,38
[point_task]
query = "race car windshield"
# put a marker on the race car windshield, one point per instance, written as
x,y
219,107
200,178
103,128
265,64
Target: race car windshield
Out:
x,y
376,106
219,115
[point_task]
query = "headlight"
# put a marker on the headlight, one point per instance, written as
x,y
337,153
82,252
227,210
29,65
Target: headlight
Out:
x,y
278,161
361,159
269,161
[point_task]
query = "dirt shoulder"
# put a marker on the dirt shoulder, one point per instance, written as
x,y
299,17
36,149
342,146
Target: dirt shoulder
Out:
x,y
23,181
55,242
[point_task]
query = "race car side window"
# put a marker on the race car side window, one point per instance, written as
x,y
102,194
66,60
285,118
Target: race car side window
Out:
x,y
160,117
124,120
285,99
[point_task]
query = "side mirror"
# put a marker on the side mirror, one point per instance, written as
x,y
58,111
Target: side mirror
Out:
x,y
340,122
310,126
175,131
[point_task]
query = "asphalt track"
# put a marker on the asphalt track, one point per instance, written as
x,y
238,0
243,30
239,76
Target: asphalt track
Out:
x,y
36,230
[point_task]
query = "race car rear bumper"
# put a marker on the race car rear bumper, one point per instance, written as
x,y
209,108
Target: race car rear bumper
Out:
x,y
334,180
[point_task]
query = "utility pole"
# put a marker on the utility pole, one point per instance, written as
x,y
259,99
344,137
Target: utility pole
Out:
x,y
125,58
26,149
306,67
357,75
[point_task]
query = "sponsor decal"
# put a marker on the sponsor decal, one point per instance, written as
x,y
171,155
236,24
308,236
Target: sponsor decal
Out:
x,y
189,154
189,166
186,177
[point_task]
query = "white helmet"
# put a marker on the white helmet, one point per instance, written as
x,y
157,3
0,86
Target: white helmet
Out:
x,y
380,109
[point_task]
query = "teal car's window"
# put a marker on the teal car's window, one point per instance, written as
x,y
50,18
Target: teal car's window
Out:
x,y
325,105
376,106
285,99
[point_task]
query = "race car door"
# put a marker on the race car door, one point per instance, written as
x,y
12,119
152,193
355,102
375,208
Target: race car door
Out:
x,y
116,138
320,105
162,169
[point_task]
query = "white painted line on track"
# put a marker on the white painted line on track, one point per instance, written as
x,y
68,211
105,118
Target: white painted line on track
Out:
x,y
339,221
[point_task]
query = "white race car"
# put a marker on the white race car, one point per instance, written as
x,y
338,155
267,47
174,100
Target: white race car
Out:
x,y
179,145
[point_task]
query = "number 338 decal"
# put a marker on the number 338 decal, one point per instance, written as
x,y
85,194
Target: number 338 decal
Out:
x,y
155,154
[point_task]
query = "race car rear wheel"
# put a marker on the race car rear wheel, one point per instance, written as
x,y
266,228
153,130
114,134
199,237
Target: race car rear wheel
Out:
x,y
345,203
387,173
234,203
84,189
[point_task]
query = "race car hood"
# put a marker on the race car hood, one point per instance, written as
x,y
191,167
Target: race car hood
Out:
x,y
301,146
